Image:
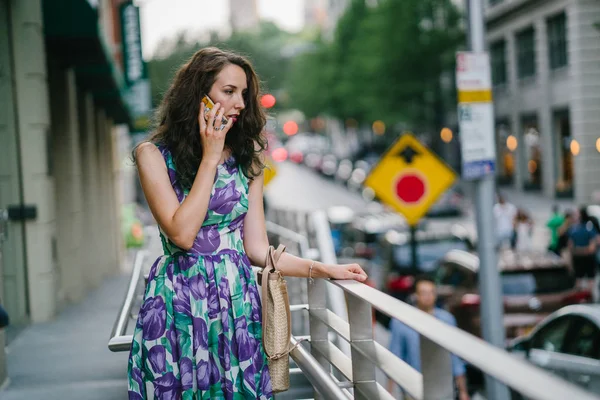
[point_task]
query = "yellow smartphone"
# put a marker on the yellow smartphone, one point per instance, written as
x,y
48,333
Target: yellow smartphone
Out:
x,y
208,105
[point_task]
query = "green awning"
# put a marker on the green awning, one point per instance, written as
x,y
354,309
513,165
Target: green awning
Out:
x,y
72,33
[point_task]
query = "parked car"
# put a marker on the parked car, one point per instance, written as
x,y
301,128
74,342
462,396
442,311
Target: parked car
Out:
x,y
329,165
567,343
534,285
450,204
363,236
431,246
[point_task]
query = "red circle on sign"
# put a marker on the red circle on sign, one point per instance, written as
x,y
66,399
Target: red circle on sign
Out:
x,y
410,188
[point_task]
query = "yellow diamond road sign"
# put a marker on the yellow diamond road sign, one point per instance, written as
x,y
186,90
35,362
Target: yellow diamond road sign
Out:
x,y
270,170
410,178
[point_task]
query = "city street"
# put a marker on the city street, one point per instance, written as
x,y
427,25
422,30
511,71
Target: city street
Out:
x,y
297,187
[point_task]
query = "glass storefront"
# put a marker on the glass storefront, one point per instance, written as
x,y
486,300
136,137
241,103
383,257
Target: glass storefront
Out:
x,y
564,149
506,144
532,153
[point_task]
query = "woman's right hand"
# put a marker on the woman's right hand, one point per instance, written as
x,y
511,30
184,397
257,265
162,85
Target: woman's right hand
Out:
x,y
211,137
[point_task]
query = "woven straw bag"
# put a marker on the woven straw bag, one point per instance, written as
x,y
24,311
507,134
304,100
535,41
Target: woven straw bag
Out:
x,y
276,319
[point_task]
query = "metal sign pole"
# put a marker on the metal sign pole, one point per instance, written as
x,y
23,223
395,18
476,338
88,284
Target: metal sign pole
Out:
x,y
413,247
489,277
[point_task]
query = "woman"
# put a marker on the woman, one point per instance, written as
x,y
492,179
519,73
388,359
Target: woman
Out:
x,y
198,334
523,231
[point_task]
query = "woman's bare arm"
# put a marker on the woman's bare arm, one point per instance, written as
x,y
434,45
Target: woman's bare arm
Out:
x,y
256,244
180,222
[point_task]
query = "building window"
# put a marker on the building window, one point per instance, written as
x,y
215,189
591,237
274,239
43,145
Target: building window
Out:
x,y
564,152
526,53
532,152
557,41
498,60
506,144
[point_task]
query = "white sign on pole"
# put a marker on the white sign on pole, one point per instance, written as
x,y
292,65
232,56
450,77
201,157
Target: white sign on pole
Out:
x,y
475,114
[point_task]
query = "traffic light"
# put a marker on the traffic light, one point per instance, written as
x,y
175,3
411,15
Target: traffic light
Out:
x,y
268,100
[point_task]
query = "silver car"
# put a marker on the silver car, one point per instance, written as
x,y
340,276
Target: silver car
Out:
x,y
566,343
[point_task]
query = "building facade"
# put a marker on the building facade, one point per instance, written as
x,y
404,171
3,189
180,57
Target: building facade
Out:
x,y
545,60
243,15
61,100
324,14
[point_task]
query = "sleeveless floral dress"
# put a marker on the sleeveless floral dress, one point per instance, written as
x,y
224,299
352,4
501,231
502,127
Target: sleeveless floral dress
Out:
x,y
198,333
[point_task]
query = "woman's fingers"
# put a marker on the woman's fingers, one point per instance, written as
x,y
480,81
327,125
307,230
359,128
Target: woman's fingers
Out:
x,y
357,269
201,119
211,118
227,126
359,277
219,119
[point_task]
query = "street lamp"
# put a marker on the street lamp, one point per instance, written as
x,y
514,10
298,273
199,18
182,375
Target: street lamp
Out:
x,y
446,135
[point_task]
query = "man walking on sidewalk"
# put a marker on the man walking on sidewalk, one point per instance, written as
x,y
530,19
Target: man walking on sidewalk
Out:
x,y
404,341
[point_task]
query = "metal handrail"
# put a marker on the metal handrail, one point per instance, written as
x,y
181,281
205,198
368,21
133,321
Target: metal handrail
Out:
x,y
316,375
119,341
438,340
531,381
291,235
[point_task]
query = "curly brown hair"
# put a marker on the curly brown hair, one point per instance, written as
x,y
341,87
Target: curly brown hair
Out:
x,y
176,118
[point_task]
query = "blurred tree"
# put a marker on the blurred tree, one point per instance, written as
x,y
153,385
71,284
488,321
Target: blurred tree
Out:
x,y
385,63
162,69
309,83
262,47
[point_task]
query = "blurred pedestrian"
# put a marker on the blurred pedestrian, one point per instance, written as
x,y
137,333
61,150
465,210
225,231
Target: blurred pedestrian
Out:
x,y
587,218
199,332
405,343
504,214
563,231
523,231
583,241
554,223
4,319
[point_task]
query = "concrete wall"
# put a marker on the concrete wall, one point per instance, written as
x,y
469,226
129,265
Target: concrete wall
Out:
x,y
67,172
60,155
12,272
31,84
64,164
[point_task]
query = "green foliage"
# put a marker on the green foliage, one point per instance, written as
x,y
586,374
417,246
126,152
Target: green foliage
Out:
x,y
262,47
308,81
385,62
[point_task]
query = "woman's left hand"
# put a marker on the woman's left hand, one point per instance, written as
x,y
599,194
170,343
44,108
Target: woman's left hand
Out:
x,y
347,271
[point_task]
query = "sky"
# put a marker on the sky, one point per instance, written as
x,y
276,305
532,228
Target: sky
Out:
x,y
165,19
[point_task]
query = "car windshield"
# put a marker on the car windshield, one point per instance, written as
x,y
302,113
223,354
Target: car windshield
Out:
x,y
428,252
536,282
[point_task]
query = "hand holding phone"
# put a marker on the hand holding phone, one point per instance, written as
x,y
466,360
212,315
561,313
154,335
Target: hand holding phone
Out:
x,y
208,106
213,130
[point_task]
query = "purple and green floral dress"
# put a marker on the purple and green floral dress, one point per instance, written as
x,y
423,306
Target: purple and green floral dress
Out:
x,y
198,333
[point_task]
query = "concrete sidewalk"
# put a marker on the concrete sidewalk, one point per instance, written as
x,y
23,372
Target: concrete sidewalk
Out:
x,y
68,358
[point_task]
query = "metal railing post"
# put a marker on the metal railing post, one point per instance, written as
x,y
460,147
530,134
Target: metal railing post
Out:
x,y
361,330
317,300
327,254
436,367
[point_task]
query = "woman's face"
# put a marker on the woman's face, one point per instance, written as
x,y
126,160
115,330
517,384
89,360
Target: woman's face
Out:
x,y
229,90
